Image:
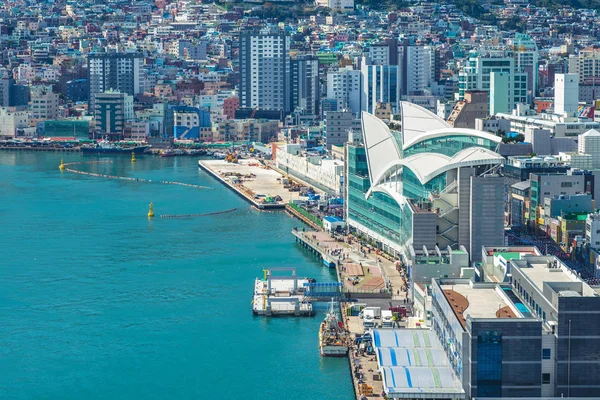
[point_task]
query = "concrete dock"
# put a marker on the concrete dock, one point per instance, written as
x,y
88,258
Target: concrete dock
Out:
x,y
361,362
252,181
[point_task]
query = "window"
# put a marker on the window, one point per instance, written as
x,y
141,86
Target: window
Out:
x,y
546,353
489,364
546,378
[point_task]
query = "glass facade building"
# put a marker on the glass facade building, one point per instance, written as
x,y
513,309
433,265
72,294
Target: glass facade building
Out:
x,y
380,212
392,186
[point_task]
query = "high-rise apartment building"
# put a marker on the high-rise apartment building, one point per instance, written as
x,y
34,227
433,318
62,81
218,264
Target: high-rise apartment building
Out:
x,y
525,54
265,70
114,71
338,125
305,86
419,68
586,64
380,84
381,54
476,75
345,87
5,85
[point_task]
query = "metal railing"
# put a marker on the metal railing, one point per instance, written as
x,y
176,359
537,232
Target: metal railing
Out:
x,y
306,214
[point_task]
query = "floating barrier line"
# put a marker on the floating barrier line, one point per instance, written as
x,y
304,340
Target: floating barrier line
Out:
x,y
196,215
124,178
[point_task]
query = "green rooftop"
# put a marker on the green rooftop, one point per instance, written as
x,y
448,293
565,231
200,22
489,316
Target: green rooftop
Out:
x,y
579,216
509,255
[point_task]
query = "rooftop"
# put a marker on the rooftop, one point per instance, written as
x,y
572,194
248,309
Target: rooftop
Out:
x,y
579,216
413,362
509,255
538,272
480,301
509,250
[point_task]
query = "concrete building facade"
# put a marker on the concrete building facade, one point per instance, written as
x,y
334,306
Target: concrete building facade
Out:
x,y
344,85
114,71
265,70
112,110
337,127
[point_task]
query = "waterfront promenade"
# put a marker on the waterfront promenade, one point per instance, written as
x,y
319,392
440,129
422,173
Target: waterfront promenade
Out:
x,y
360,268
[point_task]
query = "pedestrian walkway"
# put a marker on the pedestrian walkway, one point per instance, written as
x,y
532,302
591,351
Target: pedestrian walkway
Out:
x,y
377,271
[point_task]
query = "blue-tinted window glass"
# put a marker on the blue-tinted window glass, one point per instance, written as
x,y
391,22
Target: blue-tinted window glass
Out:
x,y
546,354
489,364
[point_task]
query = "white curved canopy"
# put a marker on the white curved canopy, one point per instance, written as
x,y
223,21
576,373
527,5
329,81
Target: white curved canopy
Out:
x,y
427,166
381,147
384,158
450,132
417,121
390,189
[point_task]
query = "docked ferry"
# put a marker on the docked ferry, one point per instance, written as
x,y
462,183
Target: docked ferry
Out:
x,y
106,147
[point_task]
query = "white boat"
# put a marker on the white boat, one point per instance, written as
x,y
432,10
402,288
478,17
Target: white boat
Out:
x,y
333,341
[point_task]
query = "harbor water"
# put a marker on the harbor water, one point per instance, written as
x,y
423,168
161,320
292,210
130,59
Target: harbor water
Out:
x,y
98,302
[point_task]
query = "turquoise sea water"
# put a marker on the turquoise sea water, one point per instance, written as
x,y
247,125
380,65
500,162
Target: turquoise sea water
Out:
x,y
98,302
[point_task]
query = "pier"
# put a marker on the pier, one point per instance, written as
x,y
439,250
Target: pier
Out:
x,y
367,278
363,271
258,185
281,294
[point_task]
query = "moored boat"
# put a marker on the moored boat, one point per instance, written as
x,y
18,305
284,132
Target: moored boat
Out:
x,y
333,341
172,153
106,147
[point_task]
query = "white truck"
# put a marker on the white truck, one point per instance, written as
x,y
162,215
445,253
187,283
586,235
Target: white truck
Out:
x,y
386,319
368,319
376,311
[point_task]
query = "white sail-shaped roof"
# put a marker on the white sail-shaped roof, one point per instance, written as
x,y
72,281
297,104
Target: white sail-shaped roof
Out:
x,y
450,132
427,166
417,121
384,156
382,149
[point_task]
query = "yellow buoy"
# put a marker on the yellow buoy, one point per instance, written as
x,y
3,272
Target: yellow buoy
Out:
x,y
151,210
62,165
132,156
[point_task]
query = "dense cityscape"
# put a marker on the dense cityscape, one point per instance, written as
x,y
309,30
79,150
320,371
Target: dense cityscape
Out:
x,y
441,157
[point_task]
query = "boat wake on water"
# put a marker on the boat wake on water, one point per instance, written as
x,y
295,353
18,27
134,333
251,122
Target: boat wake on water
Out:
x,y
64,166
